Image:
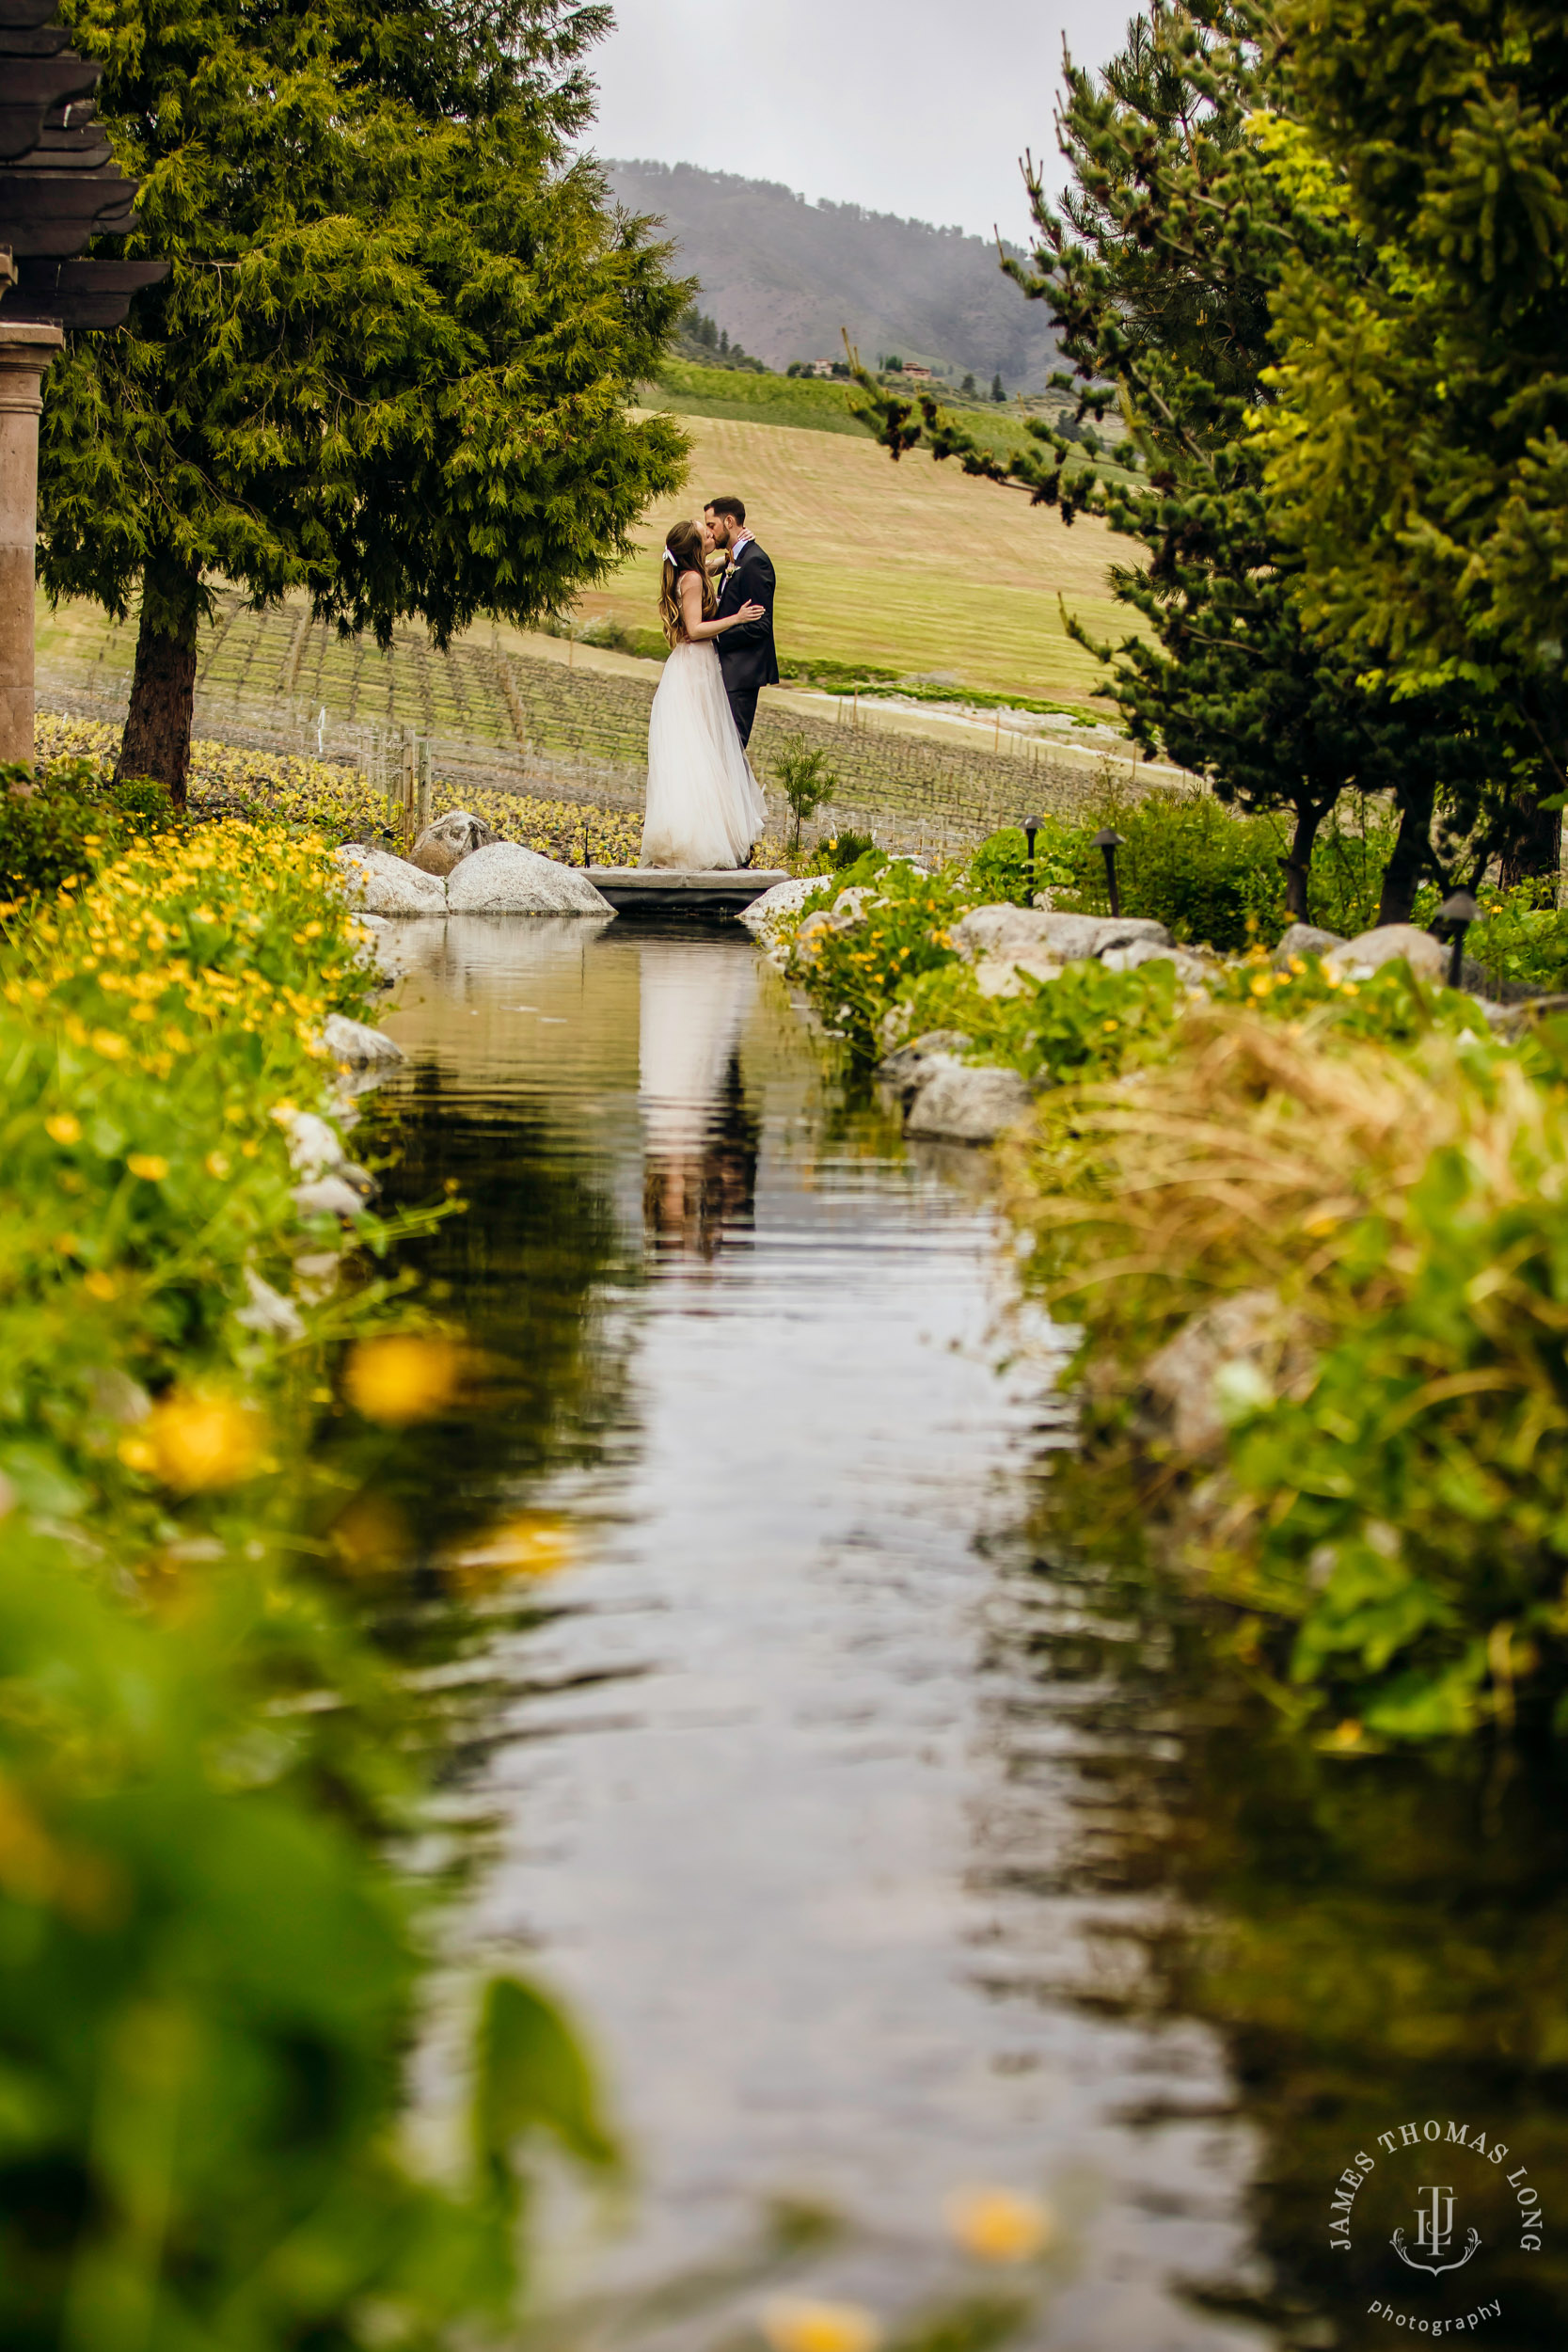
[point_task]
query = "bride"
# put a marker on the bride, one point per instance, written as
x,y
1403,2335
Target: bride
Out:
x,y
706,809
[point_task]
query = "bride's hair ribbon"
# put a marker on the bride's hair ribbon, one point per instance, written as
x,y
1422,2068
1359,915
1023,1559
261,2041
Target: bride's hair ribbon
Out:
x,y
669,559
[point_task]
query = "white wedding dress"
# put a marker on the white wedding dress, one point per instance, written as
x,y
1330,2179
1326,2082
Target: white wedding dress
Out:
x,y
706,808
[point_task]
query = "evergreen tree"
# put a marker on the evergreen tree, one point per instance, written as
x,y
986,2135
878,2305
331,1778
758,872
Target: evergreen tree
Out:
x,y
1420,458
392,363
1158,270
996,391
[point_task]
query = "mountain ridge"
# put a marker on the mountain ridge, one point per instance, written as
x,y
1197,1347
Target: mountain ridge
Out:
x,y
784,275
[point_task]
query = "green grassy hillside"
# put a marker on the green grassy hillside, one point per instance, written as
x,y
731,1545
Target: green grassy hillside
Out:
x,y
914,568
811,403
817,404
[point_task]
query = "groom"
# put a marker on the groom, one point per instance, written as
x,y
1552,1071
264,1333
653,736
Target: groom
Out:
x,y
745,658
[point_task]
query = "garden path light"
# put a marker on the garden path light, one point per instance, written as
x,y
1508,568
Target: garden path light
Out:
x,y
1109,843
1454,918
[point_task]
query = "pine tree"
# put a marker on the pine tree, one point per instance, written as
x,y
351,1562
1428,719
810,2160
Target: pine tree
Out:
x,y
996,391
1420,456
392,363
1158,270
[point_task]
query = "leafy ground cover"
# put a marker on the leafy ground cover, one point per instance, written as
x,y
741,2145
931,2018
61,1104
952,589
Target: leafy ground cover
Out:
x,y
343,802
208,1973
1342,1198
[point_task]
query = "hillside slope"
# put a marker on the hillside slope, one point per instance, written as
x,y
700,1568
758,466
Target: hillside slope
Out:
x,y
784,277
914,568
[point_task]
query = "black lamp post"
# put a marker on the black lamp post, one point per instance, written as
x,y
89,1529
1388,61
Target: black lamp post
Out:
x,y
1031,827
1454,918
1109,843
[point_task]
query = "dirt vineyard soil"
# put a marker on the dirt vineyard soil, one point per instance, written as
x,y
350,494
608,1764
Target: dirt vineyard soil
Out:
x,y
502,720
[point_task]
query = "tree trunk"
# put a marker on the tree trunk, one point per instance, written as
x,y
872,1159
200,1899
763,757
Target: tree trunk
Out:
x,y
157,737
1534,847
1401,876
1297,867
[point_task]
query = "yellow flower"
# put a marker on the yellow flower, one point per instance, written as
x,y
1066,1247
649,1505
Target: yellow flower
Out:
x,y
795,2325
63,1128
137,1454
1262,984
530,1544
105,1041
100,1285
202,1441
217,1162
1000,2225
402,1379
147,1165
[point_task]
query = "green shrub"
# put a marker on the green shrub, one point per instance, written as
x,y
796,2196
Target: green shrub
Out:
x,y
210,1985
806,779
846,848
617,636
999,869
210,1972
1091,1023
1391,1512
1354,843
68,822
1213,879
854,975
1520,943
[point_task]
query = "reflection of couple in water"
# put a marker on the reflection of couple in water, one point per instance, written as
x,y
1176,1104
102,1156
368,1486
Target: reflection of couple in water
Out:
x,y
694,1196
701,1141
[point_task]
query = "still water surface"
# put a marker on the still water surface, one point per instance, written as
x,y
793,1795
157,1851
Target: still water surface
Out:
x,y
877,1853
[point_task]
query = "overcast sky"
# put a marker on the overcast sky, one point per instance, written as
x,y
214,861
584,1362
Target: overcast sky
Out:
x,y
921,108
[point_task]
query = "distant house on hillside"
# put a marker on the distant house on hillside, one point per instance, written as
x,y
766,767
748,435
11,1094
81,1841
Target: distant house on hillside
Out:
x,y
819,367
912,367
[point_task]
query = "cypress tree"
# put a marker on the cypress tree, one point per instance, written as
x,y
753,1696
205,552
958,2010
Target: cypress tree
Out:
x,y
393,360
1159,268
1419,459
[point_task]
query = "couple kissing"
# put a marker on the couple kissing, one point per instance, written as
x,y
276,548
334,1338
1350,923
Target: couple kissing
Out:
x,y
706,810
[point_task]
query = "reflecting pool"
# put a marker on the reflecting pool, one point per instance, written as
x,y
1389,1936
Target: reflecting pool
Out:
x,y
880,1851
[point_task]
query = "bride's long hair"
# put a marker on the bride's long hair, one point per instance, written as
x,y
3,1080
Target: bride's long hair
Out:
x,y
683,552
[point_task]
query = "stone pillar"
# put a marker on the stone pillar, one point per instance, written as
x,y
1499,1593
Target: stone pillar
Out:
x,y
25,352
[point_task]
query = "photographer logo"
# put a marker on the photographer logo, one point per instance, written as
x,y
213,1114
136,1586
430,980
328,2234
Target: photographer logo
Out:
x,y
1435,2234
1433,2224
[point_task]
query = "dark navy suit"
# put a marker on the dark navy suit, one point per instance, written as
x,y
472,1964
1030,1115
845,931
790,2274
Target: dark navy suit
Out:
x,y
746,655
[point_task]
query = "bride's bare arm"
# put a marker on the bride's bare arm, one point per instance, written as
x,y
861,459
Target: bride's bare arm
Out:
x,y
698,629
